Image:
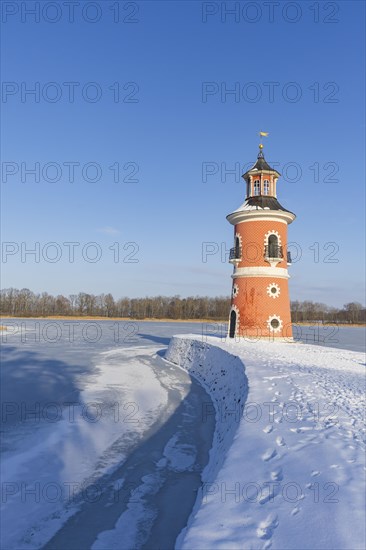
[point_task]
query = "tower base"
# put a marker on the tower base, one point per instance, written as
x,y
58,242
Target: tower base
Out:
x,y
253,339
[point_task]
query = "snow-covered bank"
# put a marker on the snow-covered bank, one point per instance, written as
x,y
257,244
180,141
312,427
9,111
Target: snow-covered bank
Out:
x,y
294,474
223,376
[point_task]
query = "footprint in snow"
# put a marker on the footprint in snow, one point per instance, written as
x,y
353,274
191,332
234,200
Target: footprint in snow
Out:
x,y
266,527
276,474
315,473
280,441
295,511
269,454
268,493
299,430
268,429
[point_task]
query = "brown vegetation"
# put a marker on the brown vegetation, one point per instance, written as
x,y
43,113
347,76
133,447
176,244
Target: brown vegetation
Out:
x,y
25,303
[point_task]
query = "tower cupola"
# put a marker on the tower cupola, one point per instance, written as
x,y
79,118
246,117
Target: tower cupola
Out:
x,y
261,179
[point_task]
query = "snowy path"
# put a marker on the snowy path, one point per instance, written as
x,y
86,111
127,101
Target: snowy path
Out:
x,y
111,482
294,476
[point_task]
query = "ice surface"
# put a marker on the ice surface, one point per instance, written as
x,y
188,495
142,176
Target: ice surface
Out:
x,y
90,408
121,401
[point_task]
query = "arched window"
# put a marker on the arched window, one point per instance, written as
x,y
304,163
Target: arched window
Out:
x,y
237,243
273,246
257,187
237,248
232,329
266,187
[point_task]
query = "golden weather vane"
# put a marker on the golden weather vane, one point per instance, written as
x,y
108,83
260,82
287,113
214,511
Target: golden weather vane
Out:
x,y
262,134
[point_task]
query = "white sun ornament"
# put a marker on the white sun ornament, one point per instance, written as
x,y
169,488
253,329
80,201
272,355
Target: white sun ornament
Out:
x,y
235,291
274,323
273,290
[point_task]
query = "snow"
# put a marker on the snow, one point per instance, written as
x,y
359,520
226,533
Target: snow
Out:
x,y
129,530
153,516
178,456
222,375
85,480
246,206
68,457
293,477
288,440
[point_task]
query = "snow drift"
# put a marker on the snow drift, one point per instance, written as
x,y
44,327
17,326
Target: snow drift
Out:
x,y
223,376
288,461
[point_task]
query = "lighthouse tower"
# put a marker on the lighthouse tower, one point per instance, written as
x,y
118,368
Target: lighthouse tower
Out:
x,y
260,302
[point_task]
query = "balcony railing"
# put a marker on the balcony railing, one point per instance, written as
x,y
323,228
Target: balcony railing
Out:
x,y
273,252
235,254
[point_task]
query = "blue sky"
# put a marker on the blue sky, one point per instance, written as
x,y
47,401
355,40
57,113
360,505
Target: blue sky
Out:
x,y
164,130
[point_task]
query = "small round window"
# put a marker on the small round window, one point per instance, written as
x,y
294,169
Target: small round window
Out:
x,y
274,289
274,323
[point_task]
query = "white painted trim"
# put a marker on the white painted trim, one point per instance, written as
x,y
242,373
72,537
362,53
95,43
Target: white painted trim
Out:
x,y
273,294
263,219
235,290
272,232
238,236
261,271
237,325
273,262
269,338
279,328
240,215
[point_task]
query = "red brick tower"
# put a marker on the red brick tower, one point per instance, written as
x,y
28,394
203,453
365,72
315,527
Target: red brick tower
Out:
x,y
260,304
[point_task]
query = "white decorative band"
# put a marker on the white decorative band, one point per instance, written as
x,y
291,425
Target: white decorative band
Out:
x,y
261,271
263,219
240,216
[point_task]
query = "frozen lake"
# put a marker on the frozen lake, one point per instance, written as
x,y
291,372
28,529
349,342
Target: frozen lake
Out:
x,y
107,334
351,338
100,434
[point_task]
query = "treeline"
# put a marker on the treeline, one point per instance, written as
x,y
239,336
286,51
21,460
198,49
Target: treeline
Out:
x,y
308,311
25,303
